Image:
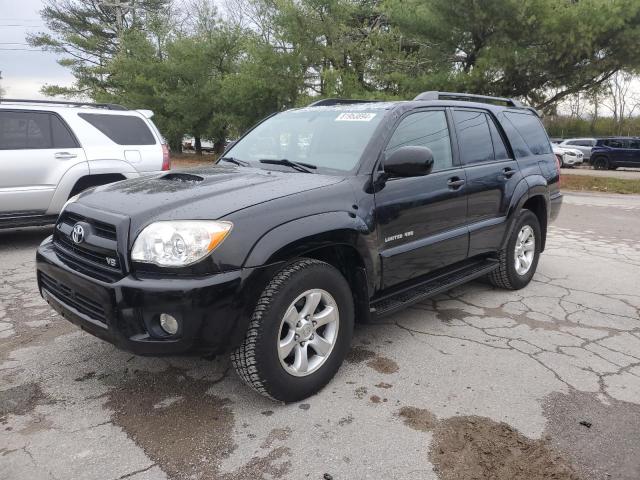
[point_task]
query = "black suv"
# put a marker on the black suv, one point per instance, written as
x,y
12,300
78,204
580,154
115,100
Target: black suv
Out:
x,y
611,153
316,218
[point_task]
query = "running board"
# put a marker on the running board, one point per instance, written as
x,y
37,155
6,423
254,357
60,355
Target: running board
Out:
x,y
396,301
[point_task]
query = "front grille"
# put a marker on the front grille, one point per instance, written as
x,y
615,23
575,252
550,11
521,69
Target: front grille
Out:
x,y
77,301
97,254
103,229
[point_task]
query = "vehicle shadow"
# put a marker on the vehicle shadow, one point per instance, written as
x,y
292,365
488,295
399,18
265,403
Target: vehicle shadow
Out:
x,y
20,238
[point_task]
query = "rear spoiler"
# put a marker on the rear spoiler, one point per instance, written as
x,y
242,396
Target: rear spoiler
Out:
x,y
146,113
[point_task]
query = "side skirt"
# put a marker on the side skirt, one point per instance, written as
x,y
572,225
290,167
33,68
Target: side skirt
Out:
x,y
403,297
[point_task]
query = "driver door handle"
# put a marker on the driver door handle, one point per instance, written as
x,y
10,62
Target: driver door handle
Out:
x,y
64,155
455,183
508,172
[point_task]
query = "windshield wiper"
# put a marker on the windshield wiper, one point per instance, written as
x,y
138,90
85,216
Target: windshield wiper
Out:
x,y
240,163
300,166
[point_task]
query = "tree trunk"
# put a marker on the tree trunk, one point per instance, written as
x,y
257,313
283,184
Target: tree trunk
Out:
x,y
198,145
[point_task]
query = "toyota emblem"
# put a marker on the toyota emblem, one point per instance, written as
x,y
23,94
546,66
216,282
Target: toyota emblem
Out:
x,y
77,235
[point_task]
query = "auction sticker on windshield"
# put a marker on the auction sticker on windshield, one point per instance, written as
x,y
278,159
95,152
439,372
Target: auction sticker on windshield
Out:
x,y
355,117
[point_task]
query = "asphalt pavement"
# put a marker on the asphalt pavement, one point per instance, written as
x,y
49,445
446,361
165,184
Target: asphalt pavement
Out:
x,y
476,383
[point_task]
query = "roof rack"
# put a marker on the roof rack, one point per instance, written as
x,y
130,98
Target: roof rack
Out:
x,y
511,102
108,106
327,102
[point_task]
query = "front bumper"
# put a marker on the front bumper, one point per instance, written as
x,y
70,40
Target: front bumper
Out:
x,y
210,309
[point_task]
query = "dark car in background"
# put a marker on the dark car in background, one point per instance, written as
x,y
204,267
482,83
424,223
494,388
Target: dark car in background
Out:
x,y
611,153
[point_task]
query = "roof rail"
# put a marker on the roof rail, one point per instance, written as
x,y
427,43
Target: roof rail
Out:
x,y
108,106
511,102
327,102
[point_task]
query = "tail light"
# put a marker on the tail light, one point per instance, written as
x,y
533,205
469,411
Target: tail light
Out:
x,y
558,163
166,159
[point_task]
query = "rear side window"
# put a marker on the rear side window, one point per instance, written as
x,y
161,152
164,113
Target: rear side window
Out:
x,y
531,131
122,129
33,130
474,137
499,148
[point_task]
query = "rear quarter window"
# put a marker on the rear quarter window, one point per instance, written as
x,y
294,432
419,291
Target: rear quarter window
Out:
x,y
531,131
122,129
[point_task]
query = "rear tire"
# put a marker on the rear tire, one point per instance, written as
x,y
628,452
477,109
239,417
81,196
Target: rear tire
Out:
x,y
516,268
287,316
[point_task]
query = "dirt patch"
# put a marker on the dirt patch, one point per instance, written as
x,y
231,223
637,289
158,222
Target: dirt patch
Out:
x,y
606,449
383,365
384,385
418,418
21,400
360,392
359,354
345,420
188,439
470,447
477,447
277,434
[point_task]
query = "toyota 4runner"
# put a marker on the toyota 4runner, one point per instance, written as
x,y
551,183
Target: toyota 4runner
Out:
x,y
316,218
51,150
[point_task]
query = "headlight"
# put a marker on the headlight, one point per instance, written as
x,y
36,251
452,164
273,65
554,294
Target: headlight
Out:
x,y
179,243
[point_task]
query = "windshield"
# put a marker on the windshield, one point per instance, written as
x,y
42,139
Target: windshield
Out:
x,y
328,138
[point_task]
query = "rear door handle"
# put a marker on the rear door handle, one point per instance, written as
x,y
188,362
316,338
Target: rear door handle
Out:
x,y
64,155
508,172
455,183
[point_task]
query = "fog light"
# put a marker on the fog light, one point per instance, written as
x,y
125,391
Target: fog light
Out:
x,y
169,323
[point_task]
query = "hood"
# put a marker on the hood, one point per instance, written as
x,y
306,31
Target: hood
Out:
x,y
211,192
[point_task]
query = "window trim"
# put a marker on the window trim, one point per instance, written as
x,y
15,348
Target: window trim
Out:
x,y
48,112
454,146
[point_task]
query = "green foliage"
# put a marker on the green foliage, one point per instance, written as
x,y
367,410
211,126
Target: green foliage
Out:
x,y
567,127
214,78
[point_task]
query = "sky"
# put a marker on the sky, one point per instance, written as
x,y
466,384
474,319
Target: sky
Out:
x,y
25,69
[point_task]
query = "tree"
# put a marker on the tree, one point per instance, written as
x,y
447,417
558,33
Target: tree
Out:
x,y
515,48
87,33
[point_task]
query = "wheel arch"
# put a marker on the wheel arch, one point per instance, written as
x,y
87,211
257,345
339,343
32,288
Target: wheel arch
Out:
x,y
532,193
336,238
94,180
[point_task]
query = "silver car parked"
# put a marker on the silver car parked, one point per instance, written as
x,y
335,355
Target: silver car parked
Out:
x,y
50,151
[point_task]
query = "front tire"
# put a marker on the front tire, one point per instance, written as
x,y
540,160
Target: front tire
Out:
x,y
299,333
518,262
601,163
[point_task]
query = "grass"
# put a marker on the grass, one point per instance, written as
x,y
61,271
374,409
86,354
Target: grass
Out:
x,y
599,184
187,160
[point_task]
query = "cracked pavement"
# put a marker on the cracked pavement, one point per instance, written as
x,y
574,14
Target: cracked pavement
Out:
x,y
530,365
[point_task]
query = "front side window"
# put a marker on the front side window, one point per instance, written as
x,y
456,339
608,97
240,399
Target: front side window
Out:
x,y
425,129
474,137
332,139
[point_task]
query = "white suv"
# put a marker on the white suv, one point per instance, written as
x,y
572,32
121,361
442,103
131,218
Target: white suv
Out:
x,y
50,151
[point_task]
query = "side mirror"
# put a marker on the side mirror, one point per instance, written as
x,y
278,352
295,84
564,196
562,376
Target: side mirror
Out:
x,y
409,161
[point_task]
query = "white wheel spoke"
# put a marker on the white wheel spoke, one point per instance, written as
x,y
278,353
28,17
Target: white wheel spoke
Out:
x,y
291,317
301,362
286,345
311,302
328,315
320,345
